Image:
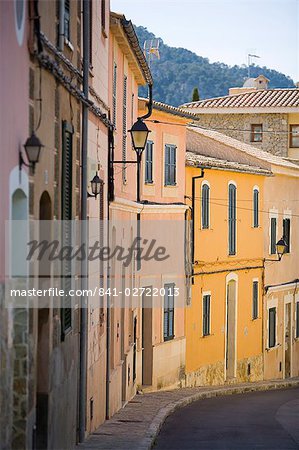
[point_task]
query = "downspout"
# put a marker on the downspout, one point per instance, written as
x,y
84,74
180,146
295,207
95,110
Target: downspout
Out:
x,y
61,25
84,237
193,220
150,103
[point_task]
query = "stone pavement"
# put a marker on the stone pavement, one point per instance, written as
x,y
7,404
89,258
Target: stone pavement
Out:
x,y
136,426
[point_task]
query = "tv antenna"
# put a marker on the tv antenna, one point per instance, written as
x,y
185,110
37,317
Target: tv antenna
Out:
x,y
151,49
250,56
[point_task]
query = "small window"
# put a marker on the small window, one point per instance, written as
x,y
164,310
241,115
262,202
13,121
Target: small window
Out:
x,y
205,206
170,165
149,162
287,234
232,194
255,295
169,311
294,136
255,208
272,327
206,315
273,236
297,320
67,27
256,133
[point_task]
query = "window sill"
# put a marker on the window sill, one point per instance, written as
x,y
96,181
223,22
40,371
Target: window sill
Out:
x,y
204,336
269,349
104,34
149,183
170,185
69,44
170,338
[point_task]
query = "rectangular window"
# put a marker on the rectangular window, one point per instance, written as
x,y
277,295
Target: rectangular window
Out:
x,y
103,14
297,320
206,315
256,133
205,206
287,233
124,137
255,299
66,216
232,220
272,327
294,136
149,162
169,311
67,28
255,208
170,165
273,236
114,89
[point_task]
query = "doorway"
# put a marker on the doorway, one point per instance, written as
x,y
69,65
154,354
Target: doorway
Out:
x,y
231,327
147,346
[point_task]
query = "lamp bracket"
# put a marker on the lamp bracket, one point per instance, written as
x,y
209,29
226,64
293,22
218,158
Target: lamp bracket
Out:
x,y
22,162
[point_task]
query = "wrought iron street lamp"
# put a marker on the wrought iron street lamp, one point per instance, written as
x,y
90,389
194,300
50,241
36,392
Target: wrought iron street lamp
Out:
x,y
95,183
281,247
139,134
32,147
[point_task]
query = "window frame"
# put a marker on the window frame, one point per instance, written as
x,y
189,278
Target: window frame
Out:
x,y
254,133
169,313
206,314
232,220
205,207
170,180
272,340
291,145
147,163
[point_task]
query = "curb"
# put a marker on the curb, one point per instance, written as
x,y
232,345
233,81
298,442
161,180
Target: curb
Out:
x,y
154,428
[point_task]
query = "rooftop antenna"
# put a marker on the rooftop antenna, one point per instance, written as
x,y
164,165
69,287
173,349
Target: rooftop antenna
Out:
x,y
250,57
151,49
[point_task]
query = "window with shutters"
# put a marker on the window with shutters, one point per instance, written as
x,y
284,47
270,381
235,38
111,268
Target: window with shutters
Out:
x,y
232,194
206,314
272,328
255,299
255,208
67,27
273,235
103,14
114,91
297,320
149,162
66,216
169,311
124,138
287,234
205,206
170,165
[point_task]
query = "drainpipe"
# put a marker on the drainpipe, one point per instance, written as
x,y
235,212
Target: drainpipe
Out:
x,y
150,103
61,25
84,237
193,219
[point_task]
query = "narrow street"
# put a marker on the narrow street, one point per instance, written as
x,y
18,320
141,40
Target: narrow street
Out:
x,y
260,420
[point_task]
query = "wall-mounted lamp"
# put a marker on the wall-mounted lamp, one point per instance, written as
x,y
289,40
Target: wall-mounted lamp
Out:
x,y
139,133
32,149
281,248
95,183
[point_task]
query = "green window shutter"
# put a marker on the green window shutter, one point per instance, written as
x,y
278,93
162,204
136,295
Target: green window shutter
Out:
x,y
286,233
255,300
167,165
205,200
273,236
169,311
66,216
114,90
232,219
272,327
297,320
173,165
255,208
206,315
149,162
124,137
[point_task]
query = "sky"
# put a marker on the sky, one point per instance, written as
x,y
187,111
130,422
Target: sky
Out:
x,y
224,30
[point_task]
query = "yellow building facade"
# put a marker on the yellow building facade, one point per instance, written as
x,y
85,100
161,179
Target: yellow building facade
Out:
x,y
224,320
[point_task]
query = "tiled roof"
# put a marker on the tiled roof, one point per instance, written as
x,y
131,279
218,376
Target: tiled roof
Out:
x,y
196,160
266,98
224,145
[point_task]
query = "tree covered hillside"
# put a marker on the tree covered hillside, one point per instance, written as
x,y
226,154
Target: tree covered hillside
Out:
x,y
179,71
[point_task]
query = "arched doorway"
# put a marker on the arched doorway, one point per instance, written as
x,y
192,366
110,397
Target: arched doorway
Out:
x,y
43,328
231,327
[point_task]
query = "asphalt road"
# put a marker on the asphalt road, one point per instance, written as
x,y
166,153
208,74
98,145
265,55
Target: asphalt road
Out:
x,y
259,420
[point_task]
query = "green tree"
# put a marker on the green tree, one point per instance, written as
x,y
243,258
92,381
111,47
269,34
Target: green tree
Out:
x,y
195,95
